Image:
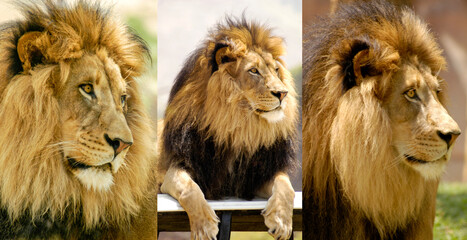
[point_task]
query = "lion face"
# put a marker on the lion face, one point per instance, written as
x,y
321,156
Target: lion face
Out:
x,y
258,82
96,136
259,78
423,131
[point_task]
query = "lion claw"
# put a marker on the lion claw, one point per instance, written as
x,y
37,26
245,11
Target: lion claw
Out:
x,y
205,225
278,217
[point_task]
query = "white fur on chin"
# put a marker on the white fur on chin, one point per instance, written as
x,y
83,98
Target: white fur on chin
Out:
x,y
95,179
431,171
273,116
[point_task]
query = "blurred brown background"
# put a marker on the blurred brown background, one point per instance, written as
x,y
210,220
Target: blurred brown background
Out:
x,y
448,21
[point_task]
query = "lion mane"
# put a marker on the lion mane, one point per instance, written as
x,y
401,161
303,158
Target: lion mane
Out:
x,y
352,186
38,195
227,149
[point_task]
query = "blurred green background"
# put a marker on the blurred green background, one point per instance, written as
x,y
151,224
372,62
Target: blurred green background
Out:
x,y
451,212
141,18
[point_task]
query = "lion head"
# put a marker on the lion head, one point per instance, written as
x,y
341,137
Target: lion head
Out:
x,y
238,72
258,78
376,132
75,137
422,130
96,135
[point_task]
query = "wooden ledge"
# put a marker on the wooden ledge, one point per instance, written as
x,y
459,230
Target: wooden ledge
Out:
x,y
245,215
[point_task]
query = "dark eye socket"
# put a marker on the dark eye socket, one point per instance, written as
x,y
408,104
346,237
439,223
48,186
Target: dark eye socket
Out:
x,y
253,70
123,100
277,70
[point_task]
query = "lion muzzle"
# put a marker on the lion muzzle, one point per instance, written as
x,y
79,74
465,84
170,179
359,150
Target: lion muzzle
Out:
x,y
279,94
446,128
449,137
117,144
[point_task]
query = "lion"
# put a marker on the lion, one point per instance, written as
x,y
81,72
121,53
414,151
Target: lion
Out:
x,y
376,133
230,127
78,155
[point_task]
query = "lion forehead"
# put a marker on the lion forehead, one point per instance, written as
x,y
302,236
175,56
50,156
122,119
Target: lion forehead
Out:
x,y
113,71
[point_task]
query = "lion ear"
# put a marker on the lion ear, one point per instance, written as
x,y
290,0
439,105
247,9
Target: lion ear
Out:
x,y
353,55
360,58
222,54
359,62
29,51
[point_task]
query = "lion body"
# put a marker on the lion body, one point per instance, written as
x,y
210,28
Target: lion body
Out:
x,y
356,181
210,129
43,195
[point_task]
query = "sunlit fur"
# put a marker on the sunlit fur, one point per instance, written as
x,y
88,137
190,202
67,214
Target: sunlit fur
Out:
x,y
35,181
230,127
218,100
217,103
355,184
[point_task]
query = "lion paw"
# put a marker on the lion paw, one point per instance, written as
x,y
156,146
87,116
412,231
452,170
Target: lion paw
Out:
x,y
204,224
278,216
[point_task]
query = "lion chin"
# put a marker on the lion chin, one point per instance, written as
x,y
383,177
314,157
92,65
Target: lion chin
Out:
x,y
95,178
98,178
273,116
429,170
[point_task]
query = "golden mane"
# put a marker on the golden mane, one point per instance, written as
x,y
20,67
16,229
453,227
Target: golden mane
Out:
x,y
230,128
242,132
207,102
343,123
33,179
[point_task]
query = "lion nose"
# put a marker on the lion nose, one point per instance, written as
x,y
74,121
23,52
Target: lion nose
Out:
x,y
449,137
279,94
117,144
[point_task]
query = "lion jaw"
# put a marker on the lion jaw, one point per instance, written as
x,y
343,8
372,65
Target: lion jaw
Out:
x,y
273,116
95,179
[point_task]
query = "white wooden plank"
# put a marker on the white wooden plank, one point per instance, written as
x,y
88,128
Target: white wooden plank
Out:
x,y
166,203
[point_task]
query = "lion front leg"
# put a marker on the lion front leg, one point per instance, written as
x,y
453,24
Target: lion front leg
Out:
x,y
279,209
203,220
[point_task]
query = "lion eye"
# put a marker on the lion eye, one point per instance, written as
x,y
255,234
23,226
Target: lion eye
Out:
x,y
253,71
411,93
87,90
123,100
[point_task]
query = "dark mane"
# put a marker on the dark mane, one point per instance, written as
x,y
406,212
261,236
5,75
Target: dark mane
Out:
x,y
188,145
256,34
